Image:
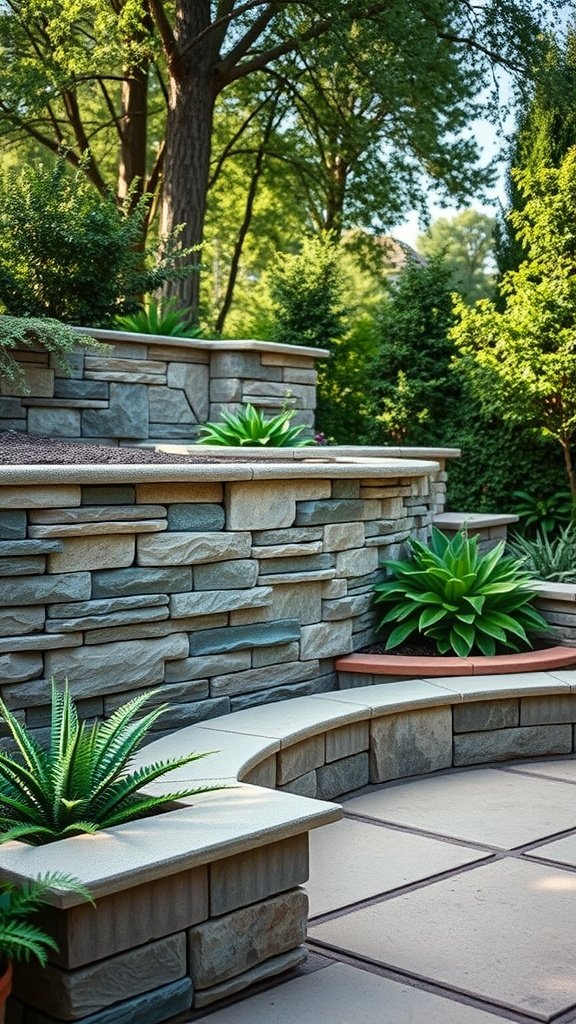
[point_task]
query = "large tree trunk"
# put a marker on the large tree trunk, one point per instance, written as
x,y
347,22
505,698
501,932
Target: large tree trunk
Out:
x,y
133,136
193,88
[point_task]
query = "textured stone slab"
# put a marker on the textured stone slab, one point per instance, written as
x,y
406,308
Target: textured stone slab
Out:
x,y
106,606
97,514
259,678
502,744
346,607
102,552
196,516
269,969
257,874
102,668
145,366
17,548
22,566
287,578
90,989
54,422
16,621
236,573
214,641
104,495
287,550
522,809
209,602
464,925
194,382
343,776
548,710
18,668
201,667
64,388
152,1007
47,496
121,618
169,405
124,582
149,630
257,932
39,381
319,641
98,528
299,535
127,416
261,656
190,548
299,758
356,562
411,743
307,564
181,493
340,510
13,525
39,642
383,860
341,536
348,739
269,506
486,714
46,589
281,692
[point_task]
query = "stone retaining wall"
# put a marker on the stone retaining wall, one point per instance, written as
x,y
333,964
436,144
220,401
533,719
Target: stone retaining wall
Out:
x,y
224,590
156,389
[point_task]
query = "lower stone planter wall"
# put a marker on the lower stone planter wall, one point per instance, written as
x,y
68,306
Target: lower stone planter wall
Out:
x,y
224,590
557,603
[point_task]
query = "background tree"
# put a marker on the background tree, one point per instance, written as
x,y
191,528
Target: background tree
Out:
x,y
137,85
466,244
521,363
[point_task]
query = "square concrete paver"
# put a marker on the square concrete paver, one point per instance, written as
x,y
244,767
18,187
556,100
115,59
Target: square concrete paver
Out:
x,y
498,808
345,995
561,852
565,770
353,860
502,932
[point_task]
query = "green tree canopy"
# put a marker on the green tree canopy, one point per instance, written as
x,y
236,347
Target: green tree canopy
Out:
x,y
521,363
466,243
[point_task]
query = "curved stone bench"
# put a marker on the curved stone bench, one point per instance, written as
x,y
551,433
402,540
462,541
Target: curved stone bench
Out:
x,y
200,902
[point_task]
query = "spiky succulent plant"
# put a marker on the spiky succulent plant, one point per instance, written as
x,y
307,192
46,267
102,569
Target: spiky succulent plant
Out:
x,y
249,426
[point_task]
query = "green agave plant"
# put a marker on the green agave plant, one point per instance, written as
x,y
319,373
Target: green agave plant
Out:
x,y
162,316
461,599
20,938
249,426
80,781
547,558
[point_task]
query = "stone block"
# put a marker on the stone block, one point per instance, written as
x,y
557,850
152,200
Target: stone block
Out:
x,y
550,710
226,390
19,668
81,389
244,616
296,535
333,589
187,669
22,566
346,607
257,874
261,656
123,582
187,433
12,525
187,713
46,589
104,668
77,994
180,493
99,514
229,945
169,405
130,917
412,743
99,552
306,564
340,510
174,353
269,969
340,536
258,678
16,621
190,548
106,606
39,383
210,602
321,641
54,422
197,516
148,630
346,488
237,573
101,494
305,785
277,693
299,758
122,618
300,601
194,381
46,496
342,776
269,505
126,417
480,715
216,641
356,562
500,745
286,551
39,642
239,364
347,740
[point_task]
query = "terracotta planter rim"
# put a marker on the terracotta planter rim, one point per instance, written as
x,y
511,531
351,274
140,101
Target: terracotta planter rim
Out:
x,y
399,664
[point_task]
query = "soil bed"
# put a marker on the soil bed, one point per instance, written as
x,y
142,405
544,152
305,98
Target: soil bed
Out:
x,y
35,450
423,647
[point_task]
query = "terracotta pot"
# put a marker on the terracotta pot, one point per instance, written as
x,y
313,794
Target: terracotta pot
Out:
x,y
5,990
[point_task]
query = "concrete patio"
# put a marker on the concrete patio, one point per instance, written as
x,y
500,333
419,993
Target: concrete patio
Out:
x,y
449,899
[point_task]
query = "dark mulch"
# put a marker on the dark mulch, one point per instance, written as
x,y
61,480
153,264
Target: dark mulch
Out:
x,y
423,647
35,449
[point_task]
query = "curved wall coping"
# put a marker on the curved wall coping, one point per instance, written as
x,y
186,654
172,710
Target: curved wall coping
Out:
x,y
399,664
242,345
34,475
321,453
216,825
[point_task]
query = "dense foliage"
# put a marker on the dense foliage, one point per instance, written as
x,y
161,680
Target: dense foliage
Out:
x,y
463,600
30,332
80,781
545,557
250,427
21,938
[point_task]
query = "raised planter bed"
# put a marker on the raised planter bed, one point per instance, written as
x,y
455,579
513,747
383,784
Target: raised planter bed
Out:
x,y
355,667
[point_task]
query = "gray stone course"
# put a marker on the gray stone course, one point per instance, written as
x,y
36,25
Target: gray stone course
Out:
x,y
196,517
216,641
503,744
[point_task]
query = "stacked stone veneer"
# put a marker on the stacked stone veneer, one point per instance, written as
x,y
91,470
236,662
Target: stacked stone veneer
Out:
x,y
156,389
225,593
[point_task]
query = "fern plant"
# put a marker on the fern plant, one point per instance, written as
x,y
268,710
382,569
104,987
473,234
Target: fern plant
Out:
x,y
461,599
160,316
249,426
80,781
20,938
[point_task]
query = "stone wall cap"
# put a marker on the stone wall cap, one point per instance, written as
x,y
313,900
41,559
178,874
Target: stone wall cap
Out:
x,y
477,520
36,475
554,591
212,345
